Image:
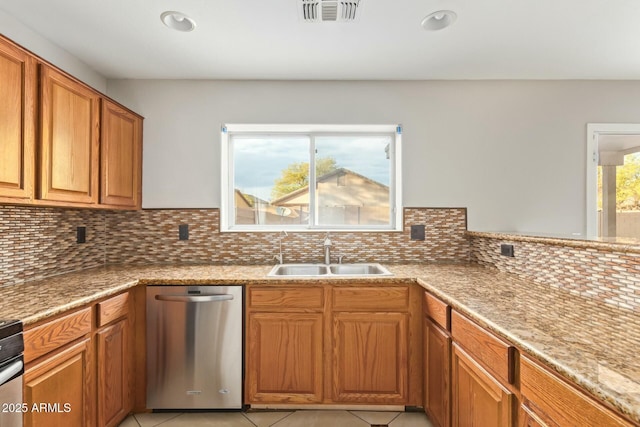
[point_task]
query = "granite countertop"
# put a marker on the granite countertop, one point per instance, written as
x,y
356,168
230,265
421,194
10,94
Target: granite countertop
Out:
x,y
583,340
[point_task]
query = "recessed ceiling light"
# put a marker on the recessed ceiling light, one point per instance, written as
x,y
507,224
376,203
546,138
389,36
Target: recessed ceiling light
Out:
x,y
178,21
438,20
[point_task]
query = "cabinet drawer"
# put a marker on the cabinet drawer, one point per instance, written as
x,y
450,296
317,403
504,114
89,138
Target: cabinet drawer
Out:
x,y
438,311
113,308
492,352
551,398
49,336
309,298
368,298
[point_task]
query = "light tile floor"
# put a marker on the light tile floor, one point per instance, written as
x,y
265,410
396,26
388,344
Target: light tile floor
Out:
x,y
325,418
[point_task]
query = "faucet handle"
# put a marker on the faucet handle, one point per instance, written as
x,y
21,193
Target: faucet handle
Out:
x,y
340,259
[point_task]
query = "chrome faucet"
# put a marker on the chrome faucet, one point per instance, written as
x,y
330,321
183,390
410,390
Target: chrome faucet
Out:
x,y
327,249
280,257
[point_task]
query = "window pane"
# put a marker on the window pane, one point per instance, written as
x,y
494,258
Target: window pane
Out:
x,y
352,180
271,174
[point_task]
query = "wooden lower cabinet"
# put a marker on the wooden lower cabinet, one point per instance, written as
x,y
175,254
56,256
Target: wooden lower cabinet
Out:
x,y
478,399
78,367
550,401
370,353
332,344
114,385
285,358
60,390
437,373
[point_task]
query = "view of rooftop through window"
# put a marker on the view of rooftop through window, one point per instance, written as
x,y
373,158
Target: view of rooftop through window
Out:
x,y
271,176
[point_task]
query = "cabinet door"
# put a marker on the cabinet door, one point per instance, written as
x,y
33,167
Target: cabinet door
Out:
x,y
114,388
284,358
17,122
370,357
437,374
59,390
120,157
478,399
69,156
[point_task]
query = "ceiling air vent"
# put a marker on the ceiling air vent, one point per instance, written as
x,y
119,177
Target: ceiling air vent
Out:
x,y
328,10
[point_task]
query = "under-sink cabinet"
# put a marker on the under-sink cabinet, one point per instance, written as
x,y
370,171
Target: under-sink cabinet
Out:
x,y
80,364
370,344
341,344
284,349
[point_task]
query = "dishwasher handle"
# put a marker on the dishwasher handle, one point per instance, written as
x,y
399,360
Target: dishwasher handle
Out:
x,y
10,371
195,298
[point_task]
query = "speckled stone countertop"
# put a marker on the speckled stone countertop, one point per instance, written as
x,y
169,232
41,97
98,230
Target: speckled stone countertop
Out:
x,y
583,340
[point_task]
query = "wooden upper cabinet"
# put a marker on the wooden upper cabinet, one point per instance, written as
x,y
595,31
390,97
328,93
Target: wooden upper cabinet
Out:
x,y
17,122
69,140
120,157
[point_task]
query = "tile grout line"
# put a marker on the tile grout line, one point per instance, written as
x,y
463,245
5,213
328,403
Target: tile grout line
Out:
x,y
283,418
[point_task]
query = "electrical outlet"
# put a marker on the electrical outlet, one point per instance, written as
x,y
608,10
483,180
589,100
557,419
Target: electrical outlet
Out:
x,y
81,235
183,232
506,250
417,232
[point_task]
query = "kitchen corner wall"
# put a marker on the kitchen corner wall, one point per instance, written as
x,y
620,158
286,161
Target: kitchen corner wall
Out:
x,y
37,242
607,275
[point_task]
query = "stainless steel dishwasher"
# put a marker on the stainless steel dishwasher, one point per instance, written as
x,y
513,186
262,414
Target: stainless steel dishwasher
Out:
x,y
194,347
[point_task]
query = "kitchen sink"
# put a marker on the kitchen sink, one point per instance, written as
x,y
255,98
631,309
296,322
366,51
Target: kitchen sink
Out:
x,y
299,270
358,269
324,270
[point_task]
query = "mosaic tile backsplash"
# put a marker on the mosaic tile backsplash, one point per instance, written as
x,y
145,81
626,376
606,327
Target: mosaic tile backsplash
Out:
x,y
609,276
37,242
151,236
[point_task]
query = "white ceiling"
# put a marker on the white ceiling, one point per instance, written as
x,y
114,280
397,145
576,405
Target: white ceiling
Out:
x,y
265,39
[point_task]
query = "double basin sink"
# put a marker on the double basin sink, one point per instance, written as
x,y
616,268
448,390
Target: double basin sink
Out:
x,y
324,270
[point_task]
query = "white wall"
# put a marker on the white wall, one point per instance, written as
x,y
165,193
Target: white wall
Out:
x,y
512,152
13,29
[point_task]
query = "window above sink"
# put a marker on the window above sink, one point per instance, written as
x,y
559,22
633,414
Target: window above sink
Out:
x,y
266,171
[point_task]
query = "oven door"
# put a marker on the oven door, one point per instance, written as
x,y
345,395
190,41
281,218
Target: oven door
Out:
x,y
11,406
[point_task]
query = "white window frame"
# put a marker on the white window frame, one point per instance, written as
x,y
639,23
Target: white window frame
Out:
x,y
227,216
